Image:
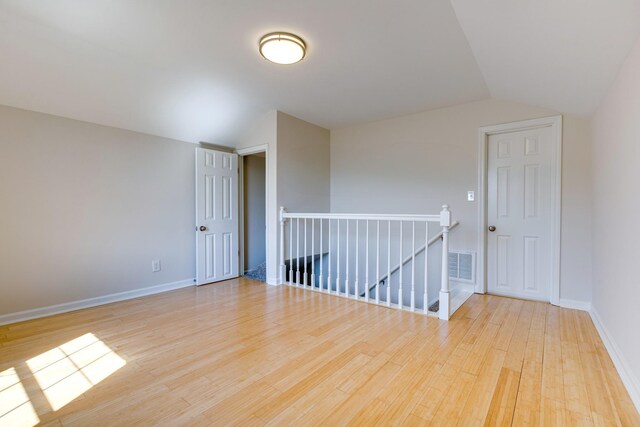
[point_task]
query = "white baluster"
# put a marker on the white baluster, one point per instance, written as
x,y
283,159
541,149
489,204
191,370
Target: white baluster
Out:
x,y
338,261
378,261
305,264
346,261
388,280
400,301
413,266
313,253
283,269
355,292
444,311
366,265
298,253
291,253
329,283
320,278
425,299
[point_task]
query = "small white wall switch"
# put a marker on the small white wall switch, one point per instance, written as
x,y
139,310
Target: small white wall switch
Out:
x,y
471,196
155,265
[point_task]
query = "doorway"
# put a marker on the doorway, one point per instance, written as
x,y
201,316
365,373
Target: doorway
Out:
x,y
519,227
254,254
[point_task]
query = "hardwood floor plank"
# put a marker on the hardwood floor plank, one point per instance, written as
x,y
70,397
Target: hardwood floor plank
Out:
x,y
622,405
552,413
575,390
552,375
242,353
370,414
364,395
453,401
476,407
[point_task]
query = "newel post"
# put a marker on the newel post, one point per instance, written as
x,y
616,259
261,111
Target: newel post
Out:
x,y
444,311
282,276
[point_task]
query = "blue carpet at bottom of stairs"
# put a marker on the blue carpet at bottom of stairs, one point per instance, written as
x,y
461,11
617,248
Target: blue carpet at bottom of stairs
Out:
x,y
258,273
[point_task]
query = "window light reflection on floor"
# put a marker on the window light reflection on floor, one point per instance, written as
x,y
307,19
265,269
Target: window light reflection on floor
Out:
x,y
67,371
15,407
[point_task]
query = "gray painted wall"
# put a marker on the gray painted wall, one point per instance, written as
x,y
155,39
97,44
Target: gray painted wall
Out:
x,y
303,172
616,207
415,163
86,208
297,171
303,159
264,133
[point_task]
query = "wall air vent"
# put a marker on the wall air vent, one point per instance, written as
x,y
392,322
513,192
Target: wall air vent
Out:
x,y
462,266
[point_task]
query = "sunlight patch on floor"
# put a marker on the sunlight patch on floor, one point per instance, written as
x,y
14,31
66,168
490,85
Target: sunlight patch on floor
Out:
x,y
66,372
15,407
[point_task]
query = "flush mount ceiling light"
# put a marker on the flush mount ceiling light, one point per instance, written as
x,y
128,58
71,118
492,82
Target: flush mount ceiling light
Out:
x,y
282,48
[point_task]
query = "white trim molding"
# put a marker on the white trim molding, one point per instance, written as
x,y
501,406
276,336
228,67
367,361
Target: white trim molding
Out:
x,y
273,281
269,192
555,122
36,313
631,383
263,148
575,304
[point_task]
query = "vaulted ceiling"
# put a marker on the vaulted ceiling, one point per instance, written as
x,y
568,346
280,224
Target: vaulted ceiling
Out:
x,y
190,69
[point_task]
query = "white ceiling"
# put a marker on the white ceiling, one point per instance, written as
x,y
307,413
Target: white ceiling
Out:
x,y
190,70
559,54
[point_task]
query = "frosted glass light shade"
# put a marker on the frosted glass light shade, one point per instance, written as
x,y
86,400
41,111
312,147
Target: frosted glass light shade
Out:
x,y
282,48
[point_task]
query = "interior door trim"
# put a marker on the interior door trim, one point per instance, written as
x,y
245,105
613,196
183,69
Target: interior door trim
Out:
x,y
269,191
555,123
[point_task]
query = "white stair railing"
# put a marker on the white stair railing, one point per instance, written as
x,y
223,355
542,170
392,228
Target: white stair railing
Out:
x,y
354,244
411,258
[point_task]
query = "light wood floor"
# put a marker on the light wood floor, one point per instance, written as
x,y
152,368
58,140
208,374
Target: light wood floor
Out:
x,y
245,353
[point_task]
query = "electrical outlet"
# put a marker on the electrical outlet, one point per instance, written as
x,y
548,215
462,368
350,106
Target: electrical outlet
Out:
x,y
155,265
471,196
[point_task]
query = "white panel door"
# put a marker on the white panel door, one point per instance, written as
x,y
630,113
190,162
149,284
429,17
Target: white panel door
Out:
x,y
217,254
519,213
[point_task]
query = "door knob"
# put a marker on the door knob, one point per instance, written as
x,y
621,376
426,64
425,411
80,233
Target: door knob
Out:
x,y
203,228
492,228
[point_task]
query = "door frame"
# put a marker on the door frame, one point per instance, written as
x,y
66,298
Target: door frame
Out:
x,y
242,152
555,123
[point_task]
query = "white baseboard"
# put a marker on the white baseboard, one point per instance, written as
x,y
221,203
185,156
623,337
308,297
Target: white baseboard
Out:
x,y
622,366
91,302
273,281
574,304
518,296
